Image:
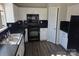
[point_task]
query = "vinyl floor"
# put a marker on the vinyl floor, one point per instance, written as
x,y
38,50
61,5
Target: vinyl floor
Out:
x,y
43,48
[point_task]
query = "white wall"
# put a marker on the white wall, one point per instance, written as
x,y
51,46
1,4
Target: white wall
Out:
x,y
63,13
72,10
41,11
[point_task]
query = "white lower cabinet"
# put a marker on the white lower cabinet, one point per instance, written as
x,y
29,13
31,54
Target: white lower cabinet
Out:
x,y
43,34
63,39
21,48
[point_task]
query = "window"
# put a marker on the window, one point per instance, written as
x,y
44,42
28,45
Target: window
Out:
x,y
2,16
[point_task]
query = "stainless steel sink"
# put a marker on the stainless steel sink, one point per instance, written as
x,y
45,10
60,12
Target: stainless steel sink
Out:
x,y
13,39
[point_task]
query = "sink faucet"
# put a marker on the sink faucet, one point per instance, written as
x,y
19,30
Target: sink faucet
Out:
x,y
9,37
8,33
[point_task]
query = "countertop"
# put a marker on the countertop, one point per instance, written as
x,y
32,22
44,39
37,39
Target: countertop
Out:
x,y
8,50
64,31
2,29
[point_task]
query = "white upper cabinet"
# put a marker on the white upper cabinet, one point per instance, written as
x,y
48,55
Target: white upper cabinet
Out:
x,y
9,12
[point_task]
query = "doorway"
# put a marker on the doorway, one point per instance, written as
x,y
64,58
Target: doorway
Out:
x,y
33,27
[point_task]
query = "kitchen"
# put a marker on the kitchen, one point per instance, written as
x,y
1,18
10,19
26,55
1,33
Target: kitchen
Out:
x,y
14,23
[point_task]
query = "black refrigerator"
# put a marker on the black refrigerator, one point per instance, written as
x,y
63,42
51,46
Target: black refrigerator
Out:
x,y
73,35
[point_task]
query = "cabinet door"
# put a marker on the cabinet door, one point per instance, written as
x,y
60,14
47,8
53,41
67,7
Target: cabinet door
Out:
x,y
22,47
43,34
20,51
63,39
52,19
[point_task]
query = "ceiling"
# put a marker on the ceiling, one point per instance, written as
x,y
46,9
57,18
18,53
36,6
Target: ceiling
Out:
x,y
42,4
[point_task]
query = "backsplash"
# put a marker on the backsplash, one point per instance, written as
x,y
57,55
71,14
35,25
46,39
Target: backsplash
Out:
x,y
12,27
15,27
41,23
64,26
